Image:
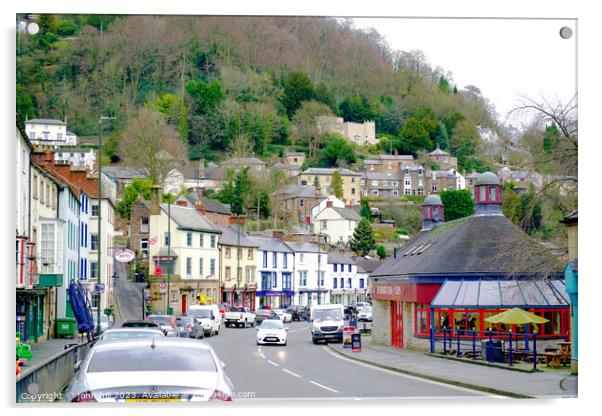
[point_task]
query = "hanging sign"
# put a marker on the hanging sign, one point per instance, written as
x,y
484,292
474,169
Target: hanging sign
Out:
x,y
124,255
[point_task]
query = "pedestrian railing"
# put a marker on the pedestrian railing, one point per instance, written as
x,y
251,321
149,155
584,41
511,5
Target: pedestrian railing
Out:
x,y
493,346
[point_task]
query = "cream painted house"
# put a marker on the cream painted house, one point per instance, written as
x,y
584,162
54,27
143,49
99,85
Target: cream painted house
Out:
x,y
192,265
336,223
238,266
351,182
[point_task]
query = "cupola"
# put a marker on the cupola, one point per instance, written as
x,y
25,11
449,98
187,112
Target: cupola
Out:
x,y
432,212
488,195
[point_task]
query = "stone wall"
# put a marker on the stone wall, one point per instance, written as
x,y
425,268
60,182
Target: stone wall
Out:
x,y
381,318
139,209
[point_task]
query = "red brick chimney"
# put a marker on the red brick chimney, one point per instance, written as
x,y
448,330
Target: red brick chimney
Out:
x,y
199,207
328,204
155,206
181,203
48,156
279,234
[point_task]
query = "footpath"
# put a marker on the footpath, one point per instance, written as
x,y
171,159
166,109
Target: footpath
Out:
x,y
497,381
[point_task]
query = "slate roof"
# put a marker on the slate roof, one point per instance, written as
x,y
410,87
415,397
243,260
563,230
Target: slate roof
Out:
x,y
328,171
270,244
368,265
294,154
570,218
213,205
396,157
471,245
243,161
299,191
347,213
120,172
386,176
439,152
339,258
230,237
304,247
190,219
46,121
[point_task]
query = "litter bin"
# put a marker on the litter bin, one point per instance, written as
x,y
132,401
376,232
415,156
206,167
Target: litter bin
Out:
x,y
493,350
65,327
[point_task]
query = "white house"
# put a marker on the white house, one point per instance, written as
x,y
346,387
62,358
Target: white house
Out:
x,y
336,223
105,211
336,202
49,132
345,283
275,265
22,203
311,262
85,158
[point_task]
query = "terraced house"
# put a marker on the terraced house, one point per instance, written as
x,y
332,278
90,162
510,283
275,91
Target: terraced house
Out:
x,y
238,265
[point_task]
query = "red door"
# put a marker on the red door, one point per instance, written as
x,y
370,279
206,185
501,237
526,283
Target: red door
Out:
x,y
397,324
184,306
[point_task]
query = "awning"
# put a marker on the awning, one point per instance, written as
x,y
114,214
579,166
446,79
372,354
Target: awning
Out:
x,y
482,293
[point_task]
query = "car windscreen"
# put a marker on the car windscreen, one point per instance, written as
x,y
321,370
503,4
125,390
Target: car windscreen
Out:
x,y
160,358
235,309
162,320
132,334
200,313
140,324
328,315
271,325
262,313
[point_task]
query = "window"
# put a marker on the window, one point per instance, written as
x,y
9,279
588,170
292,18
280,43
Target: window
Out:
x,y
35,187
201,239
286,281
342,282
352,225
335,267
349,282
249,275
93,270
353,191
482,193
239,253
59,136
48,247
434,187
407,181
389,166
265,259
212,241
266,280
201,271
250,254
167,266
95,301
302,202
212,267
228,273
395,192
349,268
323,224
303,278
189,239
407,191
492,196
274,259
188,266
227,253
285,260
144,224
95,210
301,256
361,283
274,279
321,279
420,191
94,242
374,183
334,282
166,239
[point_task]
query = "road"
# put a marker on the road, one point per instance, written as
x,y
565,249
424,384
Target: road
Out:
x,y
303,370
128,296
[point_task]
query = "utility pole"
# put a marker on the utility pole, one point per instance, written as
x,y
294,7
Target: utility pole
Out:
x,y
100,120
168,252
319,255
258,215
238,254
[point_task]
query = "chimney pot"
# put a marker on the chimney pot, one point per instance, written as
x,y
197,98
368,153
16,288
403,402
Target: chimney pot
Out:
x,y
182,203
155,208
329,204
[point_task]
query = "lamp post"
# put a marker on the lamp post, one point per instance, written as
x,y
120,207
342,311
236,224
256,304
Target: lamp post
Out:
x,y
100,120
168,253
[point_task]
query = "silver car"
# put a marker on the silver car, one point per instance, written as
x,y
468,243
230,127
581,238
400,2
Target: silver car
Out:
x,y
150,370
129,333
167,322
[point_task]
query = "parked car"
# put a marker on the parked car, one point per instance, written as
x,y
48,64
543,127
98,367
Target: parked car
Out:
x,y
141,324
209,318
365,314
105,323
271,331
326,323
361,305
156,370
284,315
350,310
223,308
239,316
167,323
190,327
263,314
131,333
296,312
305,313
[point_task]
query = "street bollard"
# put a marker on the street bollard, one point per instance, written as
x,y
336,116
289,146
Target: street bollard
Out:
x,y
510,350
527,337
490,346
444,340
458,335
474,341
450,337
432,341
534,350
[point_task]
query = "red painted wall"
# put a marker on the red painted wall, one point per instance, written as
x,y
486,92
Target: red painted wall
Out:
x,y
406,292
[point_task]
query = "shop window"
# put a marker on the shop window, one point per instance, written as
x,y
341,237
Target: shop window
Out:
x,y
421,322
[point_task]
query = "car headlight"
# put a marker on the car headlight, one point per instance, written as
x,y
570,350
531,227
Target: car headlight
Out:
x,y
317,329
341,327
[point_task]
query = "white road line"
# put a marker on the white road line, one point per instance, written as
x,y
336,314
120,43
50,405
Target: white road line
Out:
x,y
324,387
273,363
262,356
291,373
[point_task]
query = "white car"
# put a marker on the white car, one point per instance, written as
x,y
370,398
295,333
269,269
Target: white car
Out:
x,y
271,331
209,317
104,322
284,315
131,333
362,305
365,314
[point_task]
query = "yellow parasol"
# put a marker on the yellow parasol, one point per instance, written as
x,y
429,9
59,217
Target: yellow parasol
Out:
x,y
516,316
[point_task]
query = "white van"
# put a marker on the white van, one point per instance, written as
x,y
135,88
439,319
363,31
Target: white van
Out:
x,y
211,318
326,322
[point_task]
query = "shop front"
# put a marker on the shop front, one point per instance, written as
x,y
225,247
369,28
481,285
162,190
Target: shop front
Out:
x,y
249,295
30,314
275,299
308,297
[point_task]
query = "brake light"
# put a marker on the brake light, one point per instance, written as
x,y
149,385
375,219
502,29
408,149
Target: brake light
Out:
x,y
220,395
85,397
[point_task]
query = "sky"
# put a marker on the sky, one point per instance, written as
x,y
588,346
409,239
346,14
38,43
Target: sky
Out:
x,y
504,58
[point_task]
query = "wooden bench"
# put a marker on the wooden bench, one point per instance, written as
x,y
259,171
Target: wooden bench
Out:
x,y
555,359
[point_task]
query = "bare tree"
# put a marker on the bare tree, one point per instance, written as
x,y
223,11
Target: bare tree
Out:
x,y
241,146
305,121
151,145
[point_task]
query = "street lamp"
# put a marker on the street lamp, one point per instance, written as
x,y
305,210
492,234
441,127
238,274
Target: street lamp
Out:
x,y
100,120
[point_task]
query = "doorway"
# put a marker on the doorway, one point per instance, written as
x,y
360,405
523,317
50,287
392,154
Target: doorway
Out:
x,y
396,324
184,304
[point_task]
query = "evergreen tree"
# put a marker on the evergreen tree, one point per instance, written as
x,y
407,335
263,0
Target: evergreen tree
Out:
x,y
443,85
242,186
365,211
381,252
363,238
317,183
297,88
457,204
337,184
414,137
337,148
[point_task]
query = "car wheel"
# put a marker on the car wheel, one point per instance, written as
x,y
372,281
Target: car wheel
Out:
x,y
245,324
209,334
285,343
315,341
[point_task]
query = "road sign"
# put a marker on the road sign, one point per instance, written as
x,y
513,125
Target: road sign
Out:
x,y
99,288
158,271
162,285
124,255
356,342
162,290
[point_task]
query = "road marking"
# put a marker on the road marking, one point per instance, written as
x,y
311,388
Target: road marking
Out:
x,y
273,363
291,373
424,380
262,356
324,387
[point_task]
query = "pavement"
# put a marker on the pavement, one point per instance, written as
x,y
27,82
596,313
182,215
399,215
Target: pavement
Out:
x,y
302,370
44,350
497,381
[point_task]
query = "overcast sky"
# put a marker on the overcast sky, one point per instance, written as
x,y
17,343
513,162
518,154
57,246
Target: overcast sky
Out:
x,y
503,58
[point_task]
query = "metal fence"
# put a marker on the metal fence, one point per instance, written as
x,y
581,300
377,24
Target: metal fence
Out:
x,y
493,346
45,382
